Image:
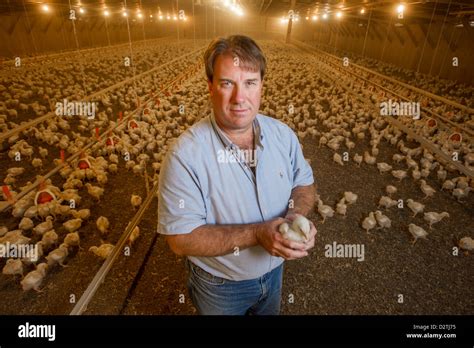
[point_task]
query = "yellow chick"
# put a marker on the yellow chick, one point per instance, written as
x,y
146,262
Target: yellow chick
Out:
x,y
136,201
34,279
103,224
12,267
103,250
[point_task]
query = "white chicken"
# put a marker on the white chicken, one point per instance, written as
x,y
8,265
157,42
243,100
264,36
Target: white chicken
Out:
x,y
72,239
325,210
399,174
433,217
417,232
13,267
34,279
44,226
341,207
95,191
337,158
58,255
350,197
387,202
72,225
369,222
466,244
382,220
427,189
390,189
298,231
415,207
383,167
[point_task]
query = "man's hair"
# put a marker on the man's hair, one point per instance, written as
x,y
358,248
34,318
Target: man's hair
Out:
x,y
249,54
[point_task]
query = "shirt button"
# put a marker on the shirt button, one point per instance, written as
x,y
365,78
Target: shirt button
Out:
x,y
281,174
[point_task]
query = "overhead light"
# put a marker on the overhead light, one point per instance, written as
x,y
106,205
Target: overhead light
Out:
x,y
325,15
81,10
400,8
160,17
151,16
106,13
125,14
362,11
314,18
339,14
168,17
175,18
45,8
139,15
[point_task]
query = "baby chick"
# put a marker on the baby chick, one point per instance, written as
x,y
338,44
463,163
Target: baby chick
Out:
x,y
358,159
95,191
103,224
72,225
382,220
325,210
341,207
44,226
427,189
467,244
72,239
415,206
26,224
298,231
58,255
369,222
390,189
417,232
387,202
12,267
337,158
433,217
399,174
134,235
34,279
383,167
350,197
49,239
136,201
103,250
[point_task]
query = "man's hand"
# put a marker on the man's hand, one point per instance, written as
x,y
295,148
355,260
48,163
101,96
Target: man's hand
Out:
x,y
271,240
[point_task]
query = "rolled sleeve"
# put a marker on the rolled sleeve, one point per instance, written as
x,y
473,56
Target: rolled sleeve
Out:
x,y
302,171
181,206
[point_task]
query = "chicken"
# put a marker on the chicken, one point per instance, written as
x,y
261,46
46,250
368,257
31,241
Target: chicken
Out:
x,y
382,220
58,255
134,235
44,226
350,197
417,232
415,207
387,202
95,191
12,267
358,159
337,158
461,193
325,210
399,174
136,201
33,255
369,159
34,279
26,224
369,222
433,217
341,207
103,250
383,167
390,189
448,185
72,239
14,237
467,244
49,239
82,214
427,189
298,231
72,225
103,224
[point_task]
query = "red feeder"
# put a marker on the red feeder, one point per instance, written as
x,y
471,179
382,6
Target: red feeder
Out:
x,y
432,123
132,124
44,196
455,137
84,163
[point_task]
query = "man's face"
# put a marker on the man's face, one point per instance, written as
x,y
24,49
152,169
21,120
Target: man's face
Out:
x,y
235,93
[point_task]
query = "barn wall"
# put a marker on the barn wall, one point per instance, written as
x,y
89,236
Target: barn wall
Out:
x,y
404,46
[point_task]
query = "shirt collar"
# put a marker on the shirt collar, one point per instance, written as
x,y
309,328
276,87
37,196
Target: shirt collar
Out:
x,y
257,131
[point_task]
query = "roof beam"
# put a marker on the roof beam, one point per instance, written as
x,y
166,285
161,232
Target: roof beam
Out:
x,y
411,35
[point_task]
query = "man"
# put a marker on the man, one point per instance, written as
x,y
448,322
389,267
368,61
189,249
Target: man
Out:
x,y
225,185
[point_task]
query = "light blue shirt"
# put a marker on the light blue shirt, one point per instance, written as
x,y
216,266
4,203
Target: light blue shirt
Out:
x,y
201,184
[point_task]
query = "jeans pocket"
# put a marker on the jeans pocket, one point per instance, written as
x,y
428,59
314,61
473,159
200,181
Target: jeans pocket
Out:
x,y
206,277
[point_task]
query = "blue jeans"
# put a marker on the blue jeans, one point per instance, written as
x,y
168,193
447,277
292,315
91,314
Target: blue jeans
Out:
x,y
213,295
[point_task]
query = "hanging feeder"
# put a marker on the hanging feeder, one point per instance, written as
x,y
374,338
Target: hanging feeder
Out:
x,y
44,196
132,124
